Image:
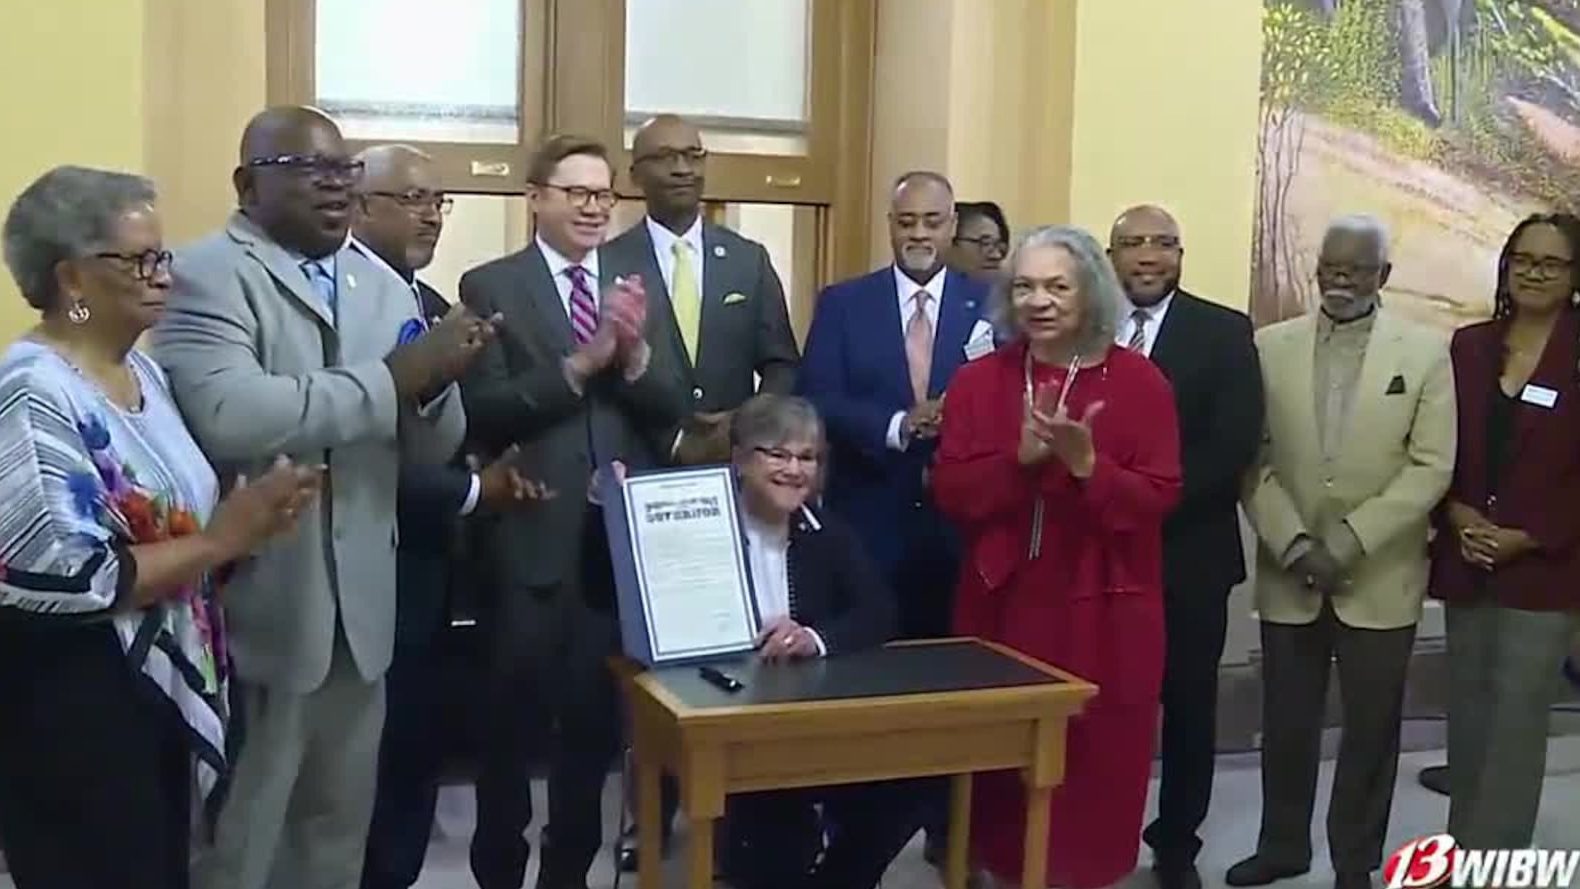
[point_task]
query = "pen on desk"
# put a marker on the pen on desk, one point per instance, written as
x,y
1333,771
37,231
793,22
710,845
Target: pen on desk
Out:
x,y
720,680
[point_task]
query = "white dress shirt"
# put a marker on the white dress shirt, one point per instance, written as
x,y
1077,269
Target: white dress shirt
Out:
x,y
475,490
1127,324
558,265
664,250
768,555
906,290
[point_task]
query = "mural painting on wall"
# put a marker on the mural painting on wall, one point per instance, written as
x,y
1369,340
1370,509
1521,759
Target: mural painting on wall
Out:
x,y
1449,120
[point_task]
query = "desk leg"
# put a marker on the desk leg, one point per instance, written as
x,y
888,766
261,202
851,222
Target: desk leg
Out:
x,y
649,831
701,853
959,831
1034,869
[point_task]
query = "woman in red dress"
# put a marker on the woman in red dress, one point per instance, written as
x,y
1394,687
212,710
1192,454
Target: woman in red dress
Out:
x,y
1058,460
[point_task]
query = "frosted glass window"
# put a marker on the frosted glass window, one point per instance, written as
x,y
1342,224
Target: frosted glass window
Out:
x,y
738,68
421,71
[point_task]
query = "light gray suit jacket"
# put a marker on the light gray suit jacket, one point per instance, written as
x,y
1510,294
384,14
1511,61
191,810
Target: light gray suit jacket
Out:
x,y
260,368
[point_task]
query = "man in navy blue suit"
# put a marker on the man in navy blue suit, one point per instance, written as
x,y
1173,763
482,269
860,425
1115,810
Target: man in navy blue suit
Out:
x,y
878,358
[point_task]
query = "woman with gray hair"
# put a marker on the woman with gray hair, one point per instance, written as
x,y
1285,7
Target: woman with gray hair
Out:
x,y
111,640
1058,460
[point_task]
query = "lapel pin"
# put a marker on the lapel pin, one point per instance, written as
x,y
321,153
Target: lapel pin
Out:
x,y
351,280
718,251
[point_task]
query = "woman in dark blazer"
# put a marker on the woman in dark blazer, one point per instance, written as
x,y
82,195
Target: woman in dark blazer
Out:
x,y
819,594
1506,558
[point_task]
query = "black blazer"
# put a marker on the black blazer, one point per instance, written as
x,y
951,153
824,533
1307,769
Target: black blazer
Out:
x,y
1209,356
428,504
516,393
835,588
745,326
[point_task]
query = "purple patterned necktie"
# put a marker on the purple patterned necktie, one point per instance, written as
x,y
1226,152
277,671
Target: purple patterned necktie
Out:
x,y
584,312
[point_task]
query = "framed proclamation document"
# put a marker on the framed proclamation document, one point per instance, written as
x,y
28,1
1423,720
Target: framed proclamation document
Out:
x,y
681,578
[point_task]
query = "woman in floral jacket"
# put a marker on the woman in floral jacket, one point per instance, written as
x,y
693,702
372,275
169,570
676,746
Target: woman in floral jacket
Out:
x,y
112,663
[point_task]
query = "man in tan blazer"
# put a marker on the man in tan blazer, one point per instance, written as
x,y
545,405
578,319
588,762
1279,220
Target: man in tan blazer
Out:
x,y
1358,449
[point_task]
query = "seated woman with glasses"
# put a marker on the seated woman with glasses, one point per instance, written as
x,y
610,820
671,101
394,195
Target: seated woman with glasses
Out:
x,y
819,594
112,657
1506,558
981,239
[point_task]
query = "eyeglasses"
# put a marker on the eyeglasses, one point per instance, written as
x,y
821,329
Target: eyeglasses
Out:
x,y
145,265
985,243
1134,242
782,457
1348,269
670,156
581,196
1548,266
318,167
417,201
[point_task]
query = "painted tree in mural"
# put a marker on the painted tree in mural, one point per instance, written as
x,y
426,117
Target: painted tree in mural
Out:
x,y
1448,118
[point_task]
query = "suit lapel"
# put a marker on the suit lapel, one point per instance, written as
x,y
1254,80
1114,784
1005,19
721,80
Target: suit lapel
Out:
x,y
1168,350
1300,347
282,267
1552,369
714,256
543,295
661,322
954,325
362,318
1377,370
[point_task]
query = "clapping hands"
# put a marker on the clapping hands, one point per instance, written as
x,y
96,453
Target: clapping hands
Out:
x,y
1048,430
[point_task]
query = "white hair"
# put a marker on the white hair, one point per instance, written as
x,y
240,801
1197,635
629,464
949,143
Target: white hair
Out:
x,y
1365,225
1097,285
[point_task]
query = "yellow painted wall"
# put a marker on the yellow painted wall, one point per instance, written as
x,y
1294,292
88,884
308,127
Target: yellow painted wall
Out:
x,y
71,86
1072,110
1166,95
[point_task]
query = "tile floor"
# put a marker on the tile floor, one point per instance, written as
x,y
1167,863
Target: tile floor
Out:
x,y
1230,831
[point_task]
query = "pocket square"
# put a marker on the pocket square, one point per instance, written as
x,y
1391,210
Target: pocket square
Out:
x,y
734,298
1395,385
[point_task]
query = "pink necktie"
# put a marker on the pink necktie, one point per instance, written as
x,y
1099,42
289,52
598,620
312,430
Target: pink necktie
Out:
x,y
584,312
919,346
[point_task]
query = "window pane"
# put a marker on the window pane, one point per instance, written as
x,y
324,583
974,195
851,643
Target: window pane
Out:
x,y
480,228
677,50
403,69
775,227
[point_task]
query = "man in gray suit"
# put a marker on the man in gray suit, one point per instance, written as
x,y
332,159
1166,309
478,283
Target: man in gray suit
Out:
x,y
277,340
573,381
718,308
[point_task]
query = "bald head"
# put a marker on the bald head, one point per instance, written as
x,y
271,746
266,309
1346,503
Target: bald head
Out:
x,y
285,129
1144,245
667,163
391,167
294,179
1143,220
921,223
399,206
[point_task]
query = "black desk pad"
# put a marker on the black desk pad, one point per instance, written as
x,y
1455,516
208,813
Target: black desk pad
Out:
x,y
902,670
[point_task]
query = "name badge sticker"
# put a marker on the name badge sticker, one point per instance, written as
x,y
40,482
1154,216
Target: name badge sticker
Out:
x,y
1541,396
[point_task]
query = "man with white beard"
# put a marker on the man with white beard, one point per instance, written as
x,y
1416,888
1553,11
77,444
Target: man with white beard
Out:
x,y
1358,449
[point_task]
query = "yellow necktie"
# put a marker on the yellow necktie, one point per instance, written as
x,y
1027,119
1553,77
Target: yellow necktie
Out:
x,y
686,298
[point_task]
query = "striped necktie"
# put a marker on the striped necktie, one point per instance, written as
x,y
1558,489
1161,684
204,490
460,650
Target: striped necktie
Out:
x,y
1138,332
584,312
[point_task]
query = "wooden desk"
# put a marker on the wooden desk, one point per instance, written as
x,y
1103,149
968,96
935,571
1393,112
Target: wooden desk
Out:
x,y
798,726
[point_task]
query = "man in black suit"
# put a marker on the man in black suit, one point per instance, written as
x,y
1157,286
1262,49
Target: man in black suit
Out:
x,y
399,215
726,316
573,381
726,324
1208,354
